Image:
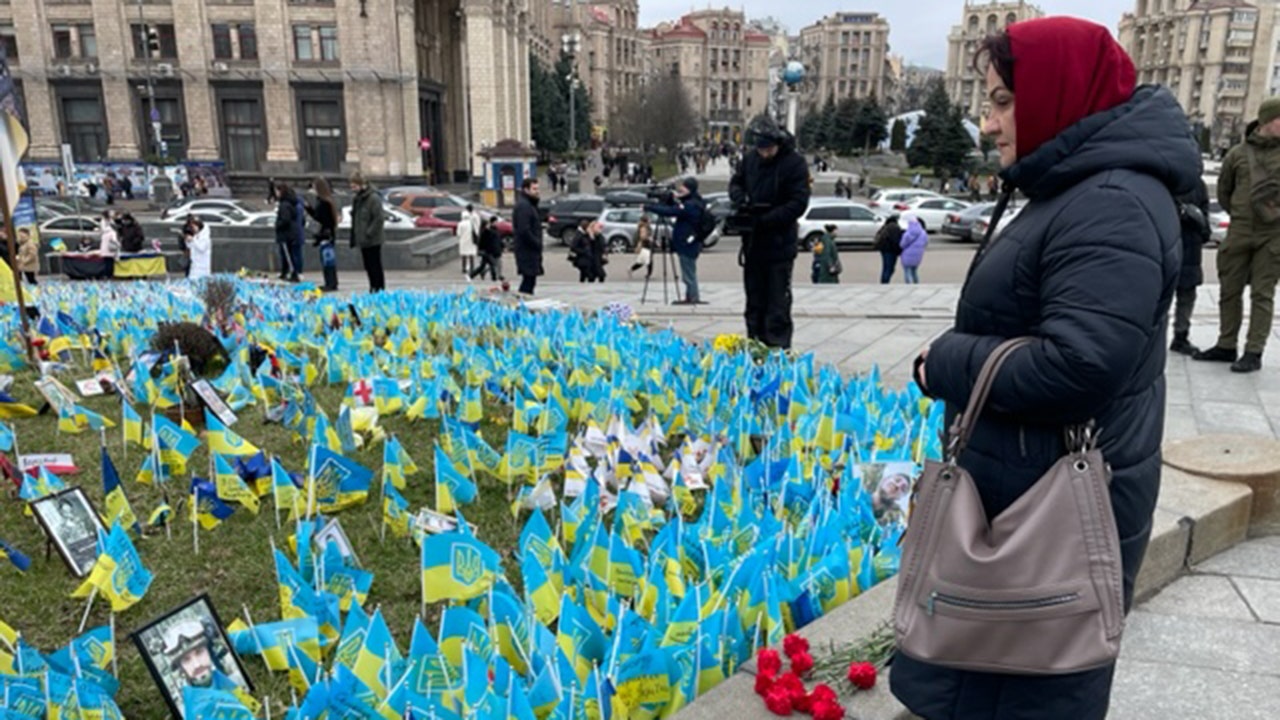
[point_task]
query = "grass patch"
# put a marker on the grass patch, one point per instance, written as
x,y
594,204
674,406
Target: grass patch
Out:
x,y
235,565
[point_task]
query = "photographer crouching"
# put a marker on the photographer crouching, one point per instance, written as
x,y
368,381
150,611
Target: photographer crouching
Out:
x,y
687,207
770,191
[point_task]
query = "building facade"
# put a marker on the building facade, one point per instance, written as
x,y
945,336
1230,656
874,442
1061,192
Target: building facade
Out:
x,y
724,65
273,87
1218,57
967,87
914,86
611,55
846,55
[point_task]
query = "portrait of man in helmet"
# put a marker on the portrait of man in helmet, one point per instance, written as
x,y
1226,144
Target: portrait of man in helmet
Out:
x,y
188,648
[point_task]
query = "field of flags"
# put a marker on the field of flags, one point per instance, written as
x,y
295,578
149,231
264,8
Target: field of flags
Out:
x,y
607,520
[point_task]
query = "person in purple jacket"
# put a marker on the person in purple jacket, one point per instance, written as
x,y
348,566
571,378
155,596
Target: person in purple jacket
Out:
x,y
913,243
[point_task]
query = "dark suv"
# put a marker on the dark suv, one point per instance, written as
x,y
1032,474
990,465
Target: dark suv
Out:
x,y
567,211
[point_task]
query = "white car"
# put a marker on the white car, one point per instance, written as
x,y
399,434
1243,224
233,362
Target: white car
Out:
x,y
932,212
180,209
1219,222
885,199
855,223
393,218
212,216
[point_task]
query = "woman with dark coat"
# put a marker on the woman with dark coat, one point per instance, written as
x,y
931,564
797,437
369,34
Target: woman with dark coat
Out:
x,y
1088,271
888,243
287,222
325,212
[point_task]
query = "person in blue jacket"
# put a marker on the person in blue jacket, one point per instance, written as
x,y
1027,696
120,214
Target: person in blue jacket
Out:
x,y
686,206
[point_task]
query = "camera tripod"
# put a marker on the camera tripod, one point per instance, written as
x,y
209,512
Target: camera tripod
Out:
x,y
662,239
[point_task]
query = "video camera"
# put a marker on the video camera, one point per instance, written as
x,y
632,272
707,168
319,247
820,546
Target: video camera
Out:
x,y
664,194
742,219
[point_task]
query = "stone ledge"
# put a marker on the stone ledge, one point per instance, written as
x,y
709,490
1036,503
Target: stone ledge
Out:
x,y
1195,518
1250,460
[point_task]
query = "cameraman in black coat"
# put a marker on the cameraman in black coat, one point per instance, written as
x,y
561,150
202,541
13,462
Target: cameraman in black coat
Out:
x,y
772,184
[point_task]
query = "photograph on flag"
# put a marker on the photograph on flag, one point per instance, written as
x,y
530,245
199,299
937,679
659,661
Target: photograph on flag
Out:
x,y
72,525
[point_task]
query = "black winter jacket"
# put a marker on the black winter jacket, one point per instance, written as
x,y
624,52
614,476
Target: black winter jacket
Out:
x,y
528,236
1088,269
782,183
687,212
1194,235
287,220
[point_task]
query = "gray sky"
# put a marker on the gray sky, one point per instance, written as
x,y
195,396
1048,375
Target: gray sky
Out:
x,y
918,28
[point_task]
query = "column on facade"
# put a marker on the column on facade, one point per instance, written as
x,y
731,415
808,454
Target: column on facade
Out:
x,y
114,49
524,132
197,94
481,92
406,87
42,118
274,53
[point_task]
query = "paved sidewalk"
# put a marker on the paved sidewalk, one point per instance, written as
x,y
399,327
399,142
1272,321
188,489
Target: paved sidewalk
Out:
x,y
1207,646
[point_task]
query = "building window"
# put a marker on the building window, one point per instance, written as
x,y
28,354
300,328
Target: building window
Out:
x,y
222,42
164,33
302,49
248,41
329,43
84,126
88,41
243,139
62,42
9,42
173,132
1244,16
322,134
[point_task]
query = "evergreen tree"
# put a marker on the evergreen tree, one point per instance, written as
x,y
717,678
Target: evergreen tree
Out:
x,y
826,123
840,134
898,138
941,142
869,129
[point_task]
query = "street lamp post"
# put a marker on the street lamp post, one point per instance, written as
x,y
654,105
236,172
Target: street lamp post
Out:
x,y
150,44
569,45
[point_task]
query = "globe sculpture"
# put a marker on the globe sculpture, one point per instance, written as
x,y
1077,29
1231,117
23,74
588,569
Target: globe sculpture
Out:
x,y
793,73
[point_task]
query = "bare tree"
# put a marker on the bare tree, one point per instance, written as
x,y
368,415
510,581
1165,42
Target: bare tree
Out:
x,y
656,115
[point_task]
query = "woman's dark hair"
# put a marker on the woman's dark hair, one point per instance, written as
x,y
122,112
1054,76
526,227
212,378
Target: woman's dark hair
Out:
x,y
282,189
997,50
323,191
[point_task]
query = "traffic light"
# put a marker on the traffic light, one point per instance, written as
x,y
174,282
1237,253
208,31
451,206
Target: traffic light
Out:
x,y
153,42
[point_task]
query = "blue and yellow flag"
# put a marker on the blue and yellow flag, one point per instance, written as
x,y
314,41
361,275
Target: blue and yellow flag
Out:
x,y
231,487
396,463
206,507
282,488
88,656
11,408
223,441
457,566
174,440
339,483
395,511
117,503
14,556
461,488
119,574
44,483
132,424
203,702
274,641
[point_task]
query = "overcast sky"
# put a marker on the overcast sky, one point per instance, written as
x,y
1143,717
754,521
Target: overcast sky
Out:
x,y
917,28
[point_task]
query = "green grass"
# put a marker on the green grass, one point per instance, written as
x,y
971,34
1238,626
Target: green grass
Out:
x,y
235,564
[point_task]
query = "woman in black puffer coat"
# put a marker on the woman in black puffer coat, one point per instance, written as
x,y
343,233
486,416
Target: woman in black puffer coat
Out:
x,y
1088,269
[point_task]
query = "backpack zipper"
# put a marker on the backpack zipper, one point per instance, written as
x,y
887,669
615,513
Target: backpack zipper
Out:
x,y
974,604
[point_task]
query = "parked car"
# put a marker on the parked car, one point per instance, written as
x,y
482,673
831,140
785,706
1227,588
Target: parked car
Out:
x,y
932,212
620,226
447,218
1219,222
960,224
183,207
54,207
856,224
72,229
566,211
217,216
979,229
883,199
421,200
393,218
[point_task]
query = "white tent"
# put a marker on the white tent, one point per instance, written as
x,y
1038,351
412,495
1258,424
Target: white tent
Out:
x,y
912,120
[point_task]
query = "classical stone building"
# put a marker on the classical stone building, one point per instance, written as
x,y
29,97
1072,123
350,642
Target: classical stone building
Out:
x,y
846,55
611,53
914,85
723,63
1217,56
275,87
965,86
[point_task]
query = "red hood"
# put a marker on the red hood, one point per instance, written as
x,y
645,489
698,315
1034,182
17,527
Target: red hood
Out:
x,y
1064,70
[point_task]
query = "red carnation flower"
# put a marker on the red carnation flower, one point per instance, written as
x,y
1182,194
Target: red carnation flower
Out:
x,y
764,683
827,711
794,644
769,662
801,663
793,686
778,701
823,693
862,675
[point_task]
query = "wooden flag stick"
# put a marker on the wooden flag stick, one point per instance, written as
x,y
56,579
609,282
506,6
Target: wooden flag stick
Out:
x,y
115,654
93,595
195,518
11,233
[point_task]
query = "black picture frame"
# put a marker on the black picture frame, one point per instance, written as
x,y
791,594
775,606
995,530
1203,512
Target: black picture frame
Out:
x,y
166,640
76,535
